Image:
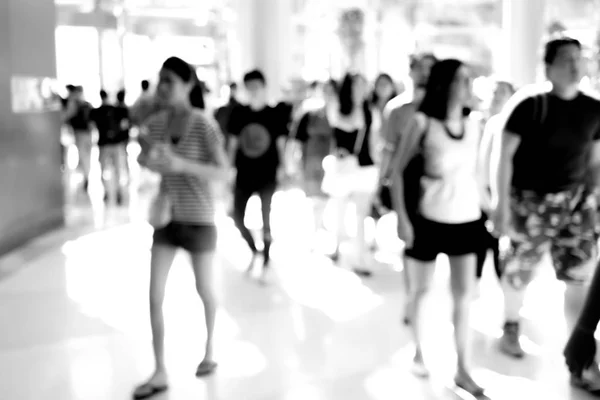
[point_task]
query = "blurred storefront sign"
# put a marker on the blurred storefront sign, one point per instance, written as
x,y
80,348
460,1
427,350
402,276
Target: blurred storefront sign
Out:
x,y
34,94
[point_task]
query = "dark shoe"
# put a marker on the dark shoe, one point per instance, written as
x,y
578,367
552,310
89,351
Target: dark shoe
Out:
x,y
148,390
119,198
509,343
335,256
206,368
589,380
568,276
363,273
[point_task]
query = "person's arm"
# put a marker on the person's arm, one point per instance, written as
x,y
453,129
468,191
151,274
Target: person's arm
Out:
x,y
375,136
233,129
501,188
594,165
391,138
519,123
411,145
486,163
70,111
298,136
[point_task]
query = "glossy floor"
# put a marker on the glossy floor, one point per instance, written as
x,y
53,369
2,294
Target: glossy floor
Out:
x,y
75,323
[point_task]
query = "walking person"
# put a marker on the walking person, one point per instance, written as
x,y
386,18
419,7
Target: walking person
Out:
x,y
313,135
77,116
448,205
257,144
351,120
397,116
186,149
491,137
580,351
548,183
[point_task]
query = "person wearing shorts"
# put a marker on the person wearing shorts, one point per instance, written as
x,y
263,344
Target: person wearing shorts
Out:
x,y
189,156
396,117
314,135
547,180
449,205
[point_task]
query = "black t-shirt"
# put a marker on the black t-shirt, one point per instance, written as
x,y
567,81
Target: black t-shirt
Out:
x,y
105,120
81,120
553,154
257,156
312,124
223,114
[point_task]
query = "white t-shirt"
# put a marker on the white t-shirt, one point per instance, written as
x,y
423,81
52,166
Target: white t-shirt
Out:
x,y
451,189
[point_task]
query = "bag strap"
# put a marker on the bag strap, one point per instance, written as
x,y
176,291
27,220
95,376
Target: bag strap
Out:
x,y
362,134
544,114
540,110
360,140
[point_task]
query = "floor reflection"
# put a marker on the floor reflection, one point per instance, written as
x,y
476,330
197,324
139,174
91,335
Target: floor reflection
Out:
x,y
78,324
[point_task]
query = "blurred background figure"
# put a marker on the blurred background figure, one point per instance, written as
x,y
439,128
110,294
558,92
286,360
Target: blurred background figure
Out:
x,y
77,116
223,113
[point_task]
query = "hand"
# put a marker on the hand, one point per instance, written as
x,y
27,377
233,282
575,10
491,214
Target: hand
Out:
x,y
281,174
376,199
580,350
406,232
501,220
162,159
232,176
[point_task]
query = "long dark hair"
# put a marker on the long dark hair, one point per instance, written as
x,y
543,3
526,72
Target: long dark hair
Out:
x,y
437,94
375,96
187,74
345,95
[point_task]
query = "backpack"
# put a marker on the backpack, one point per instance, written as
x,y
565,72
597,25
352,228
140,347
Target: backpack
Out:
x,y
540,108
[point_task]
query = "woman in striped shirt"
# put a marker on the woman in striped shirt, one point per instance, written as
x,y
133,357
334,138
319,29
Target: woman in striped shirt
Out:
x,y
190,159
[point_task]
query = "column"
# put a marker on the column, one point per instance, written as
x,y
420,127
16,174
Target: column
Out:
x,y
264,35
523,23
31,200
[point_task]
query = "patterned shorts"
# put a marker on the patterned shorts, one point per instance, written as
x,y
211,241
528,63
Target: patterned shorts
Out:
x,y
564,223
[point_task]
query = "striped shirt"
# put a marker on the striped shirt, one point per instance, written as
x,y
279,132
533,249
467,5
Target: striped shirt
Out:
x,y
192,198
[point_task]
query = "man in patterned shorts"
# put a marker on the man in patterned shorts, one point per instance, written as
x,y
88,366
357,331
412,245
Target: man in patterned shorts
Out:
x,y
547,183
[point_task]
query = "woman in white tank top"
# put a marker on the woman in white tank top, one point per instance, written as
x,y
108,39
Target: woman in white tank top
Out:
x,y
449,204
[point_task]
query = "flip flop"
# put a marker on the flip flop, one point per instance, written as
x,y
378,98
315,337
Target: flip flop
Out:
x,y
365,273
148,390
472,388
206,368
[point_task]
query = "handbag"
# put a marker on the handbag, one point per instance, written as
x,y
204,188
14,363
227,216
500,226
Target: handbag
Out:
x,y
343,174
160,211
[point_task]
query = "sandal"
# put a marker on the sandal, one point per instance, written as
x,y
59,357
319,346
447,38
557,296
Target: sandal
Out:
x,y
206,368
470,387
148,390
365,273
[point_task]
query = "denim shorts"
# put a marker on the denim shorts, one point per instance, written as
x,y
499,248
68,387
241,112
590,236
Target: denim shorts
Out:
x,y
193,238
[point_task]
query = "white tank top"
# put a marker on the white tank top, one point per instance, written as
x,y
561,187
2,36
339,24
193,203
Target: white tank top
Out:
x,y
451,192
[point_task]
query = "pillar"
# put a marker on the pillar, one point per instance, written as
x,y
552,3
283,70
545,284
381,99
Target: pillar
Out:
x,y
523,24
263,40
31,198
